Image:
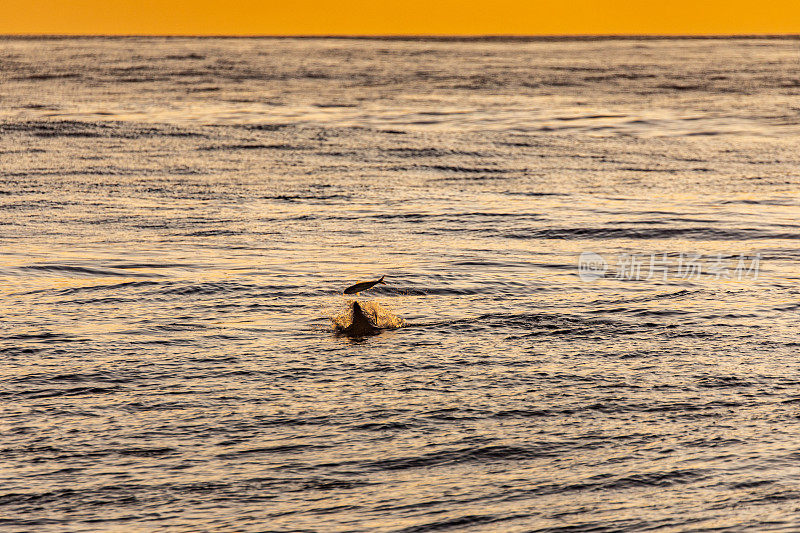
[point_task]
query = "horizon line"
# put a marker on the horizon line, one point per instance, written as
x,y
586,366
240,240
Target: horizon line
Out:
x,y
419,37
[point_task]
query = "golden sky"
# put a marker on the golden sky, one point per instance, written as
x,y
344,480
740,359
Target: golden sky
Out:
x,y
376,17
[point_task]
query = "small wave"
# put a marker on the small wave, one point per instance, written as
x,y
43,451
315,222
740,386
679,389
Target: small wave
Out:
x,y
462,522
9,352
714,382
50,378
383,426
306,197
44,77
281,449
183,57
91,129
146,452
220,288
151,265
334,106
60,393
90,288
429,152
697,233
213,233
79,270
464,455
533,193
681,294
681,87
587,117
415,291
252,147
467,170
265,127
772,201
45,337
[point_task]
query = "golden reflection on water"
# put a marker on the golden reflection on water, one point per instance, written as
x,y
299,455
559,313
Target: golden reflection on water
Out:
x,y
168,288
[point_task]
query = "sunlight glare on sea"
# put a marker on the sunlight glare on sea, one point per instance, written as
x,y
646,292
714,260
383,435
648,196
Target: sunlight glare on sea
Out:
x,y
179,217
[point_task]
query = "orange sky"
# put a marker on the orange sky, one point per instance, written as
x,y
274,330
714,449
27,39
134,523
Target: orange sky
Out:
x,y
265,17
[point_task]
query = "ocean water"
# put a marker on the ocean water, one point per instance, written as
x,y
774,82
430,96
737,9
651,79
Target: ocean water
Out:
x,y
591,248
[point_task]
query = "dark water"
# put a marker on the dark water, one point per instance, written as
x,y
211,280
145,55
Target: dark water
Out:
x,y
178,218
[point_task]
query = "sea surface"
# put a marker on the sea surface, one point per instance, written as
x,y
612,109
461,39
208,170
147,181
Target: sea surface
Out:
x,y
592,247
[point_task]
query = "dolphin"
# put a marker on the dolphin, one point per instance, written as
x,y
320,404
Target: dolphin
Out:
x,y
364,285
361,325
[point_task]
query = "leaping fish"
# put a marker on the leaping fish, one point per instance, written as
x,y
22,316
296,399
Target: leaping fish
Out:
x,y
364,285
